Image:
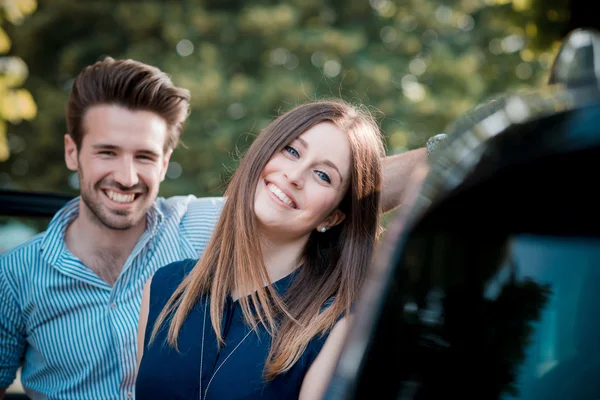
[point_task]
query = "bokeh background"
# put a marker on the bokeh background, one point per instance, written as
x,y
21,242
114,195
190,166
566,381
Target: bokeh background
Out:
x,y
417,64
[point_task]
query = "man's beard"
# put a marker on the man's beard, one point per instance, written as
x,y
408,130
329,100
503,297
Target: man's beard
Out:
x,y
102,216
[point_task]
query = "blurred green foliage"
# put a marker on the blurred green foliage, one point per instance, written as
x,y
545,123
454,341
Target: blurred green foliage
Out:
x,y
16,103
417,64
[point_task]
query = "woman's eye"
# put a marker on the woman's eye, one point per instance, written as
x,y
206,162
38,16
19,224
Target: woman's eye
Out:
x,y
323,176
292,151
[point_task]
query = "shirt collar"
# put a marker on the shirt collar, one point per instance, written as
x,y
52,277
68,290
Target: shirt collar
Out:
x,y
53,242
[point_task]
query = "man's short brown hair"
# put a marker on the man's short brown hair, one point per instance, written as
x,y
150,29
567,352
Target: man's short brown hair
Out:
x,y
130,84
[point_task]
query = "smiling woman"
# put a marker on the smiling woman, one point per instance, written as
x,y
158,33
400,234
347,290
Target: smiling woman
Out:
x,y
270,298
305,181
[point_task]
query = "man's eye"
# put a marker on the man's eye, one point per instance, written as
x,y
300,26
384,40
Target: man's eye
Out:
x,y
292,151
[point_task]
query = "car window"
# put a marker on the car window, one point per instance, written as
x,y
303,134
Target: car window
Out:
x,y
496,316
17,230
561,351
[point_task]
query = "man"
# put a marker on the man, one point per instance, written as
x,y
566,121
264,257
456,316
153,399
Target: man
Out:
x,y
70,297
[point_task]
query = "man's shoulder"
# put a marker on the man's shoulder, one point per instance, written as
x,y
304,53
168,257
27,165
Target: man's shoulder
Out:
x,y
191,218
21,254
213,202
191,204
18,263
195,214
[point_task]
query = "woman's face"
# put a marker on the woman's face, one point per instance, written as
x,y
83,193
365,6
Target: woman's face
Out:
x,y
300,187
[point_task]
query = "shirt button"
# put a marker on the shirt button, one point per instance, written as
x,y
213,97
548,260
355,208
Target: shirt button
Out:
x,y
114,305
129,395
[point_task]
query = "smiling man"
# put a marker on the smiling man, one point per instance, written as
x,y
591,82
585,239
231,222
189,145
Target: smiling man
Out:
x,y
70,297
121,161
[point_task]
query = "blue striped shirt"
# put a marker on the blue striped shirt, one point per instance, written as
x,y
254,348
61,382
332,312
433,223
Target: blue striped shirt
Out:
x,y
74,335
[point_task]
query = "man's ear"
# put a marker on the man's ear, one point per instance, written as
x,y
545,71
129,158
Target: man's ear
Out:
x,y
335,218
165,164
71,153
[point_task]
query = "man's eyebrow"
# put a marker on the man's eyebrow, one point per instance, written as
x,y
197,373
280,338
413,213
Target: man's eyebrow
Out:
x,y
102,146
149,152
105,146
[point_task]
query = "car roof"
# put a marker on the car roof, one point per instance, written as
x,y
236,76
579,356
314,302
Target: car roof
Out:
x,y
22,203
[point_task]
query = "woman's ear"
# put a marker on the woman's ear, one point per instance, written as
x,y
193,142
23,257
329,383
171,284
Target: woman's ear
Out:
x,y
335,218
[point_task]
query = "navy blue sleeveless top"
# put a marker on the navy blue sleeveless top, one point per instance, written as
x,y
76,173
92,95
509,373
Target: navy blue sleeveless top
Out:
x,y
233,372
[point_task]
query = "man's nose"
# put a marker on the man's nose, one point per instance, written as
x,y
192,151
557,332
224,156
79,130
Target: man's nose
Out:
x,y
127,174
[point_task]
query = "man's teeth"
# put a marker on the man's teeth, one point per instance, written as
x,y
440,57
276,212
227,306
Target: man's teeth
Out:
x,y
120,198
280,195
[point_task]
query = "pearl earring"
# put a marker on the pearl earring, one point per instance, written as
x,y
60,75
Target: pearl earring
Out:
x,y
323,229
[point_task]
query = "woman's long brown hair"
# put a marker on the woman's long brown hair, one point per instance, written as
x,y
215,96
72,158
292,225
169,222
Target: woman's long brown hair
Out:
x,y
334,263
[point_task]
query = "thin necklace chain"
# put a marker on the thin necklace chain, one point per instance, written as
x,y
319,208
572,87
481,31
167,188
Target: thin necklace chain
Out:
x,y
202,347
202,355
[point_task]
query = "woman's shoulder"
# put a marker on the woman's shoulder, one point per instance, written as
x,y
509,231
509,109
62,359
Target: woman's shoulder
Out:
x,y
163,284
317,342
167,278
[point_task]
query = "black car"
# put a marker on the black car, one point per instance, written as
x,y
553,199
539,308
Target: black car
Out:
x,y
488,287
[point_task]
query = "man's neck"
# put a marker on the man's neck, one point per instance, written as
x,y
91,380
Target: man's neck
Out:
x,y
102,249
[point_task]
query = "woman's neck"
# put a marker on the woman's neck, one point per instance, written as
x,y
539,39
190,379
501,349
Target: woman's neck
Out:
x,y
282,258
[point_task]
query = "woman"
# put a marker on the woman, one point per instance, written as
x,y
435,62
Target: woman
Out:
x,y
261,314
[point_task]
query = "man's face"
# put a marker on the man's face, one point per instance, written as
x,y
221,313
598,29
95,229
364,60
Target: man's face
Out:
x,y
120,164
